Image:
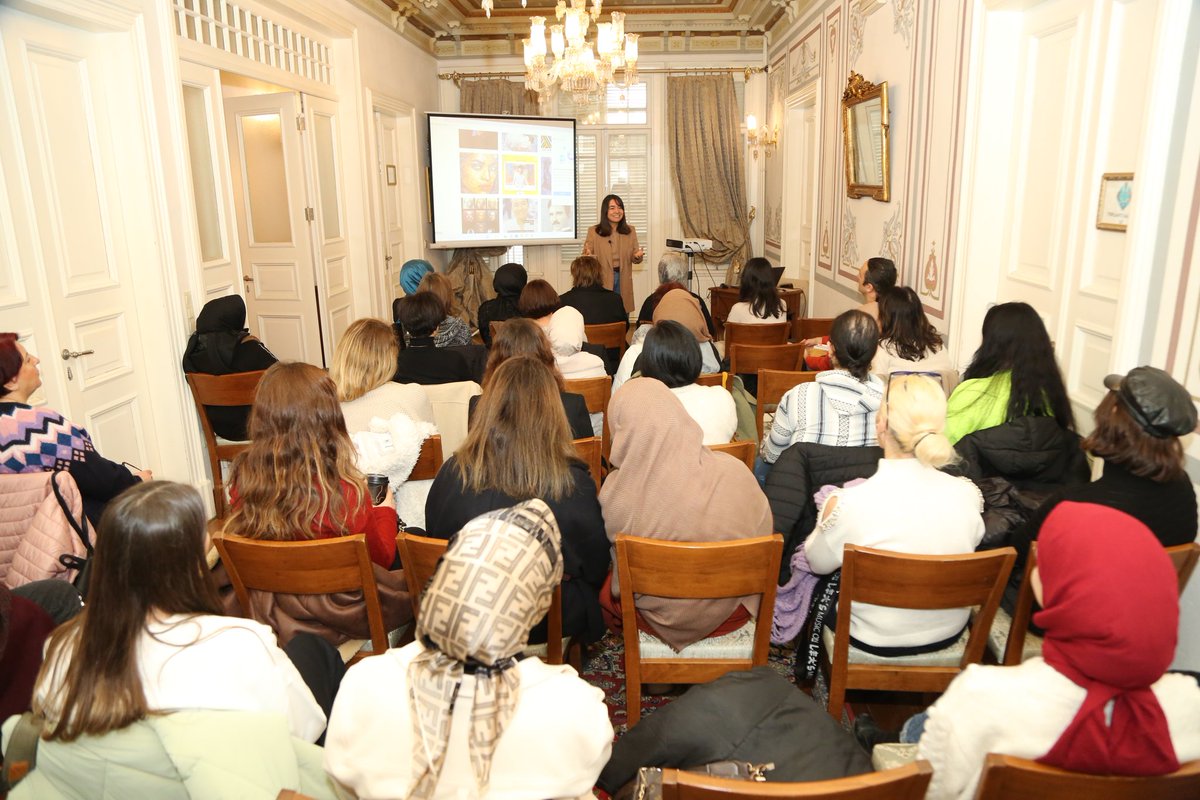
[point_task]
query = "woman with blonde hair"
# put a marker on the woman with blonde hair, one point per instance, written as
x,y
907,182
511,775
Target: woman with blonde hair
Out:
x,y
908,506
524,337
363,365
519,448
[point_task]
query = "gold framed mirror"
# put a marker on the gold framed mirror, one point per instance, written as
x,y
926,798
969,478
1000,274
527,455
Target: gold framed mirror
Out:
x,y
865,134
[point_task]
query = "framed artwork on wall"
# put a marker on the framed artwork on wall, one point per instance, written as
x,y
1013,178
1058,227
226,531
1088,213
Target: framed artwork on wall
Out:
x,y
1116,200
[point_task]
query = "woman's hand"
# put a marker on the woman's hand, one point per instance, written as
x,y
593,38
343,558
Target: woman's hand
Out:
x,y
638,255
587,249
145,474
389,500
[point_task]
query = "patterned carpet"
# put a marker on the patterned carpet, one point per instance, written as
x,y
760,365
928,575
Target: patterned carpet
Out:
x,y
604,667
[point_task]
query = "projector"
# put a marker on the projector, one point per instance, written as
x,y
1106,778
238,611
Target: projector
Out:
x,y
690,245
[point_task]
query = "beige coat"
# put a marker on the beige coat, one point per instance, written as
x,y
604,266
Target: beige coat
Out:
x,y
625,245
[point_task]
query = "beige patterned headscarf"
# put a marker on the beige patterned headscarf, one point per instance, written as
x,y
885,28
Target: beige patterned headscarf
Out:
x,y
491,587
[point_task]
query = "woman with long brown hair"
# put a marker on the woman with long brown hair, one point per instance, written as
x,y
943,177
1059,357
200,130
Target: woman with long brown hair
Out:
x,y
524,337
614,243
519,448
153,635
298,479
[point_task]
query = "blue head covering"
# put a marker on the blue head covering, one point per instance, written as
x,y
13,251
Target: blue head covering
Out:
x,y
411,274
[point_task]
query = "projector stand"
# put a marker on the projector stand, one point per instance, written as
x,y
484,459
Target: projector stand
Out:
x,y
691,269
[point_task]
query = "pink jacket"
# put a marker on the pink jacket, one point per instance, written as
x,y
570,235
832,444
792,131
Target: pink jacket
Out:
x,y
34,532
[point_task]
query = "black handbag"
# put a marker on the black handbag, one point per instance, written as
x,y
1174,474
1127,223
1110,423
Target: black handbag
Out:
x,y
70,560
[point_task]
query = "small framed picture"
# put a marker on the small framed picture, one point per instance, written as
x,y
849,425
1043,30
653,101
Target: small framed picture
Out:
x,y
1116,200
391,174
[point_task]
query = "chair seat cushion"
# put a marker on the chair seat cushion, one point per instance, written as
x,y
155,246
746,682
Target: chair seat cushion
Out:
x,y
998,638
946,657
737,644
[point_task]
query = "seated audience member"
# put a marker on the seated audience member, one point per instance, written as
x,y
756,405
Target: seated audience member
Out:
x,y
839,407
758,299
679,306
153,632
508,282
297,480
538,301
598,305
670,354
566,335
1099,699
672,274
24,628
907,340
363,364
222,345
520,448
452,331
1012,375
876,276
461,713
418,317
524,337
411,274
907,506
39,439
1138,425
667,485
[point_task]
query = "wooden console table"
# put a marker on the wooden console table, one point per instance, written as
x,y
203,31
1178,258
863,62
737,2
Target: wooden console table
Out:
x,y
721,299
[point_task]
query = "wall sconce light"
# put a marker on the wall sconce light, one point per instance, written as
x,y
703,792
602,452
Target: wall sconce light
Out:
x,y
764,137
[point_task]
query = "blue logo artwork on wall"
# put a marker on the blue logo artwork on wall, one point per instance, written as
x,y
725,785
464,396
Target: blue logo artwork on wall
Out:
x,y
1124,195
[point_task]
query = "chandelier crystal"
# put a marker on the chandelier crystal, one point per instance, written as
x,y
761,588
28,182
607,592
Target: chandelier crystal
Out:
x,y
578,66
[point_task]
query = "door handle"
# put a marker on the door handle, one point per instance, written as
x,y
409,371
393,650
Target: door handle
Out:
x,y
247,279
387,259
67,355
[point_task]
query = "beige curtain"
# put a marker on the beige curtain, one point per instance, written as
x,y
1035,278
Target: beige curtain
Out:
x,y
497,96
467,271
707,163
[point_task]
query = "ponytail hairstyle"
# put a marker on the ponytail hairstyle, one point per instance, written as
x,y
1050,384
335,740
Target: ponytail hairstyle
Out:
x,y
916,419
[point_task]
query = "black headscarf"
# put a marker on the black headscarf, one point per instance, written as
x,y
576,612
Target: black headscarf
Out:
x,y
220,326
509,280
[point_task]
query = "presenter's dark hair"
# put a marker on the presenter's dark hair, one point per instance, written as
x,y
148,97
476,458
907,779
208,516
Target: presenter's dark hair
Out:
x,y
670,354
855,338
758,289
605,227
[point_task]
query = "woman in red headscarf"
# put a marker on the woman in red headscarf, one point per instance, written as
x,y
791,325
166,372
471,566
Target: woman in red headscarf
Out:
x,y
1097,700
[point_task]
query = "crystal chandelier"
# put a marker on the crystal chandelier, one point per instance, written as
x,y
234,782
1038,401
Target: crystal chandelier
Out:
x,y
577,67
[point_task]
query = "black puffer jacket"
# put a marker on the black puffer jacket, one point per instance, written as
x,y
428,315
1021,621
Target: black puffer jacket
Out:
x,y
1017,466
756,716
798,473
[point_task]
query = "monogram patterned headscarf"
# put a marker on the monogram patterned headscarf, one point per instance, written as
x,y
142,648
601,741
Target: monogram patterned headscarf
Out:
x,y
492,586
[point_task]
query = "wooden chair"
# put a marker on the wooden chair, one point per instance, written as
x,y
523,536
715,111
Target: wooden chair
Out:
x,y
596,392
811,327
749,333
320,566
900,580
429,461
694,570
714,379
1010,642
589,452
419,555
221,390
903,783
611,335
1011,778
742,451
772,385
748,359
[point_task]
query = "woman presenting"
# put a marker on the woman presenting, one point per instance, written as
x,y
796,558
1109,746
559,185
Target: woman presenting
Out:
x,y
614,243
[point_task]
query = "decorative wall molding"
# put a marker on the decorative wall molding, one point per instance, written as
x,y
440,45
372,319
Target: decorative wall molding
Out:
x,y
826,251
849,240
931,276
891,244
903,12
858,25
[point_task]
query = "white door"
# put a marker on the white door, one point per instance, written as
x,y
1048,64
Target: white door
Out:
x,y
388,166
800,189
267,166
70,224
332,252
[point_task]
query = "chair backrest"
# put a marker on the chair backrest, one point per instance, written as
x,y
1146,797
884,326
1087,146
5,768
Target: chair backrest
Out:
x,y
714,379
812,327
321,566
1010,778
772,384
903,580
596,392
419,556
750,358
450,402
743,451
589,452
236,389
429,461
611,335
1184,557
751,333
903,783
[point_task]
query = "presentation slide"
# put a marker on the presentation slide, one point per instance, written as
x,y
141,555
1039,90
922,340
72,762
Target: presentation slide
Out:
x,y
501,181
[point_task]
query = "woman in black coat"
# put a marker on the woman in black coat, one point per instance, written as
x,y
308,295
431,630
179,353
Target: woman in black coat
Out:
x,y
508,282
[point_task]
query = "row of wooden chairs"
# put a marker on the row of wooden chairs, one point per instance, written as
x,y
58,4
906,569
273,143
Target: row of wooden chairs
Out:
x,y
772,385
